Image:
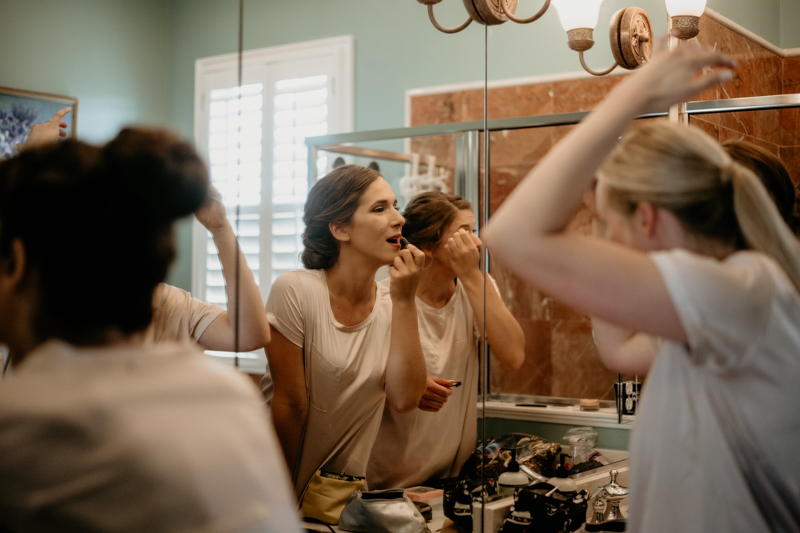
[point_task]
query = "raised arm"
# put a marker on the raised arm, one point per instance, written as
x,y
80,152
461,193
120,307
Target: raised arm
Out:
x,y
254,332
406,373
289,400
619,348
599,278
623,350
503,332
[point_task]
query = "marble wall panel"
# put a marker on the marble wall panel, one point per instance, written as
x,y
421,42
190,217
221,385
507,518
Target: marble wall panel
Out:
x,y
791,75
535,375
521,101
582,94
709,126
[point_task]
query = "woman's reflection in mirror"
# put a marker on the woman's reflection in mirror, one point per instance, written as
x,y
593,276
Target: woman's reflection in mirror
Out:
x,y
434,441
342,344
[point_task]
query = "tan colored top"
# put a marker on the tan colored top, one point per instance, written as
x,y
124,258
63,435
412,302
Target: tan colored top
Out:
x,y
414,447
345,371
131,439
178,317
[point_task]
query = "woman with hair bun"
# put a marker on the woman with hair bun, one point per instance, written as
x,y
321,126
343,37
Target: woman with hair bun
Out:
x,y
697,256
435,441
98,430
342,344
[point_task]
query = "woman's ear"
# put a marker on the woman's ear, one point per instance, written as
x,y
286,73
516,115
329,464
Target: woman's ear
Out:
x,y
646,217
12,268
339,231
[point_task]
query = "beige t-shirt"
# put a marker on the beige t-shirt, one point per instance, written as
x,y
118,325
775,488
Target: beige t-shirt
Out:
x,y
133,439
414,447
345,370
178,317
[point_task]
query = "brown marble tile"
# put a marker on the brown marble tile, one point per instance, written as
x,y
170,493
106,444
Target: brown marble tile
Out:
x,y
741,122
472,106
728,134
582,94
519,147
436,109
521,101
535,375
790,123
707,126
769,126
577,370
758,73
791,75
442,147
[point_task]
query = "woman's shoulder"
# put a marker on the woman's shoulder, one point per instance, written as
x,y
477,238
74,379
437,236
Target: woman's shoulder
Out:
x,y
301,278
744,277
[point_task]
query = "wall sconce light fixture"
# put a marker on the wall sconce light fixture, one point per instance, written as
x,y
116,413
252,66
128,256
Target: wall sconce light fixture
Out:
x,y
630,33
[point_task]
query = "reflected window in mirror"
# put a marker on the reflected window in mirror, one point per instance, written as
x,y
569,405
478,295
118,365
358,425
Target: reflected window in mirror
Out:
x,y
254,143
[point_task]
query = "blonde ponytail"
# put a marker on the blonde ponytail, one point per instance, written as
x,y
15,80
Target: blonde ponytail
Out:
x,y
685,171
762,226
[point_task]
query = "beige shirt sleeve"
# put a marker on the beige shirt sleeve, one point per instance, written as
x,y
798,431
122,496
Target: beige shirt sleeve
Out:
x,y
179,317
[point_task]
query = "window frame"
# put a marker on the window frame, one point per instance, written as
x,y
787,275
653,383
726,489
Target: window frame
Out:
x,y
264,65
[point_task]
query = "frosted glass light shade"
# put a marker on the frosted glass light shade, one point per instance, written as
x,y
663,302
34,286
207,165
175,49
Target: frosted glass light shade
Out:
x,y
685,8
578,13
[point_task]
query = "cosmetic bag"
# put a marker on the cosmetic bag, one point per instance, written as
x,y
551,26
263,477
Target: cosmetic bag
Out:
x,y
382,511
540,509
327,494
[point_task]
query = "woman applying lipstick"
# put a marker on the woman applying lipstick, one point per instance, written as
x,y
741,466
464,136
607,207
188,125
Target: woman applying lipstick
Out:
x,y
343,345
434,441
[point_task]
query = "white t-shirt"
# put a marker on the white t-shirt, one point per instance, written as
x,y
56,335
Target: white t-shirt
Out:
x,y
414,447
726,406
345,370
131,439
178,317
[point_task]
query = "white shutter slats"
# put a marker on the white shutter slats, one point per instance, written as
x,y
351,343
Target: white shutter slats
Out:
x,y
300,110
234,142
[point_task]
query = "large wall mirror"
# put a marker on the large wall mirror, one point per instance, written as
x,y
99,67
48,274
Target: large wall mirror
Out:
x,y
375,84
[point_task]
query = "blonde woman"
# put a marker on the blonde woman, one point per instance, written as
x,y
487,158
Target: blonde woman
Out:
x,y
696,254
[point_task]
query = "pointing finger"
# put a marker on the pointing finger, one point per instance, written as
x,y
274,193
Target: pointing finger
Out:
x,y
60,114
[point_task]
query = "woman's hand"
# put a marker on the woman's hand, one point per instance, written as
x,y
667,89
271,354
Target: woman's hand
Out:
x,y
47,132
674,76
436,394
212,213
464,252
405,272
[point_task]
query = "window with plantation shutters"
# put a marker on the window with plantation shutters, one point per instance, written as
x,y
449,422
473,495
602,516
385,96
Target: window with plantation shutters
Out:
x,y
253,138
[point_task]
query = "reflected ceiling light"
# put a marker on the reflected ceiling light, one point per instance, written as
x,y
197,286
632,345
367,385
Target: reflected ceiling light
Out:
x,y
685,17
630,33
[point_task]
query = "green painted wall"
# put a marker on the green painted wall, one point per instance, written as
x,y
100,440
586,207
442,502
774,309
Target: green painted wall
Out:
x,y
108,54
790,24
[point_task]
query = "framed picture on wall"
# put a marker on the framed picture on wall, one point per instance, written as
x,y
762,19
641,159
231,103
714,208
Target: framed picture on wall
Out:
x,y
20,110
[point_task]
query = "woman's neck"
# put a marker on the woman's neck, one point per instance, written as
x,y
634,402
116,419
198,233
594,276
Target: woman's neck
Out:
x,y
351,279
436,285
351,290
